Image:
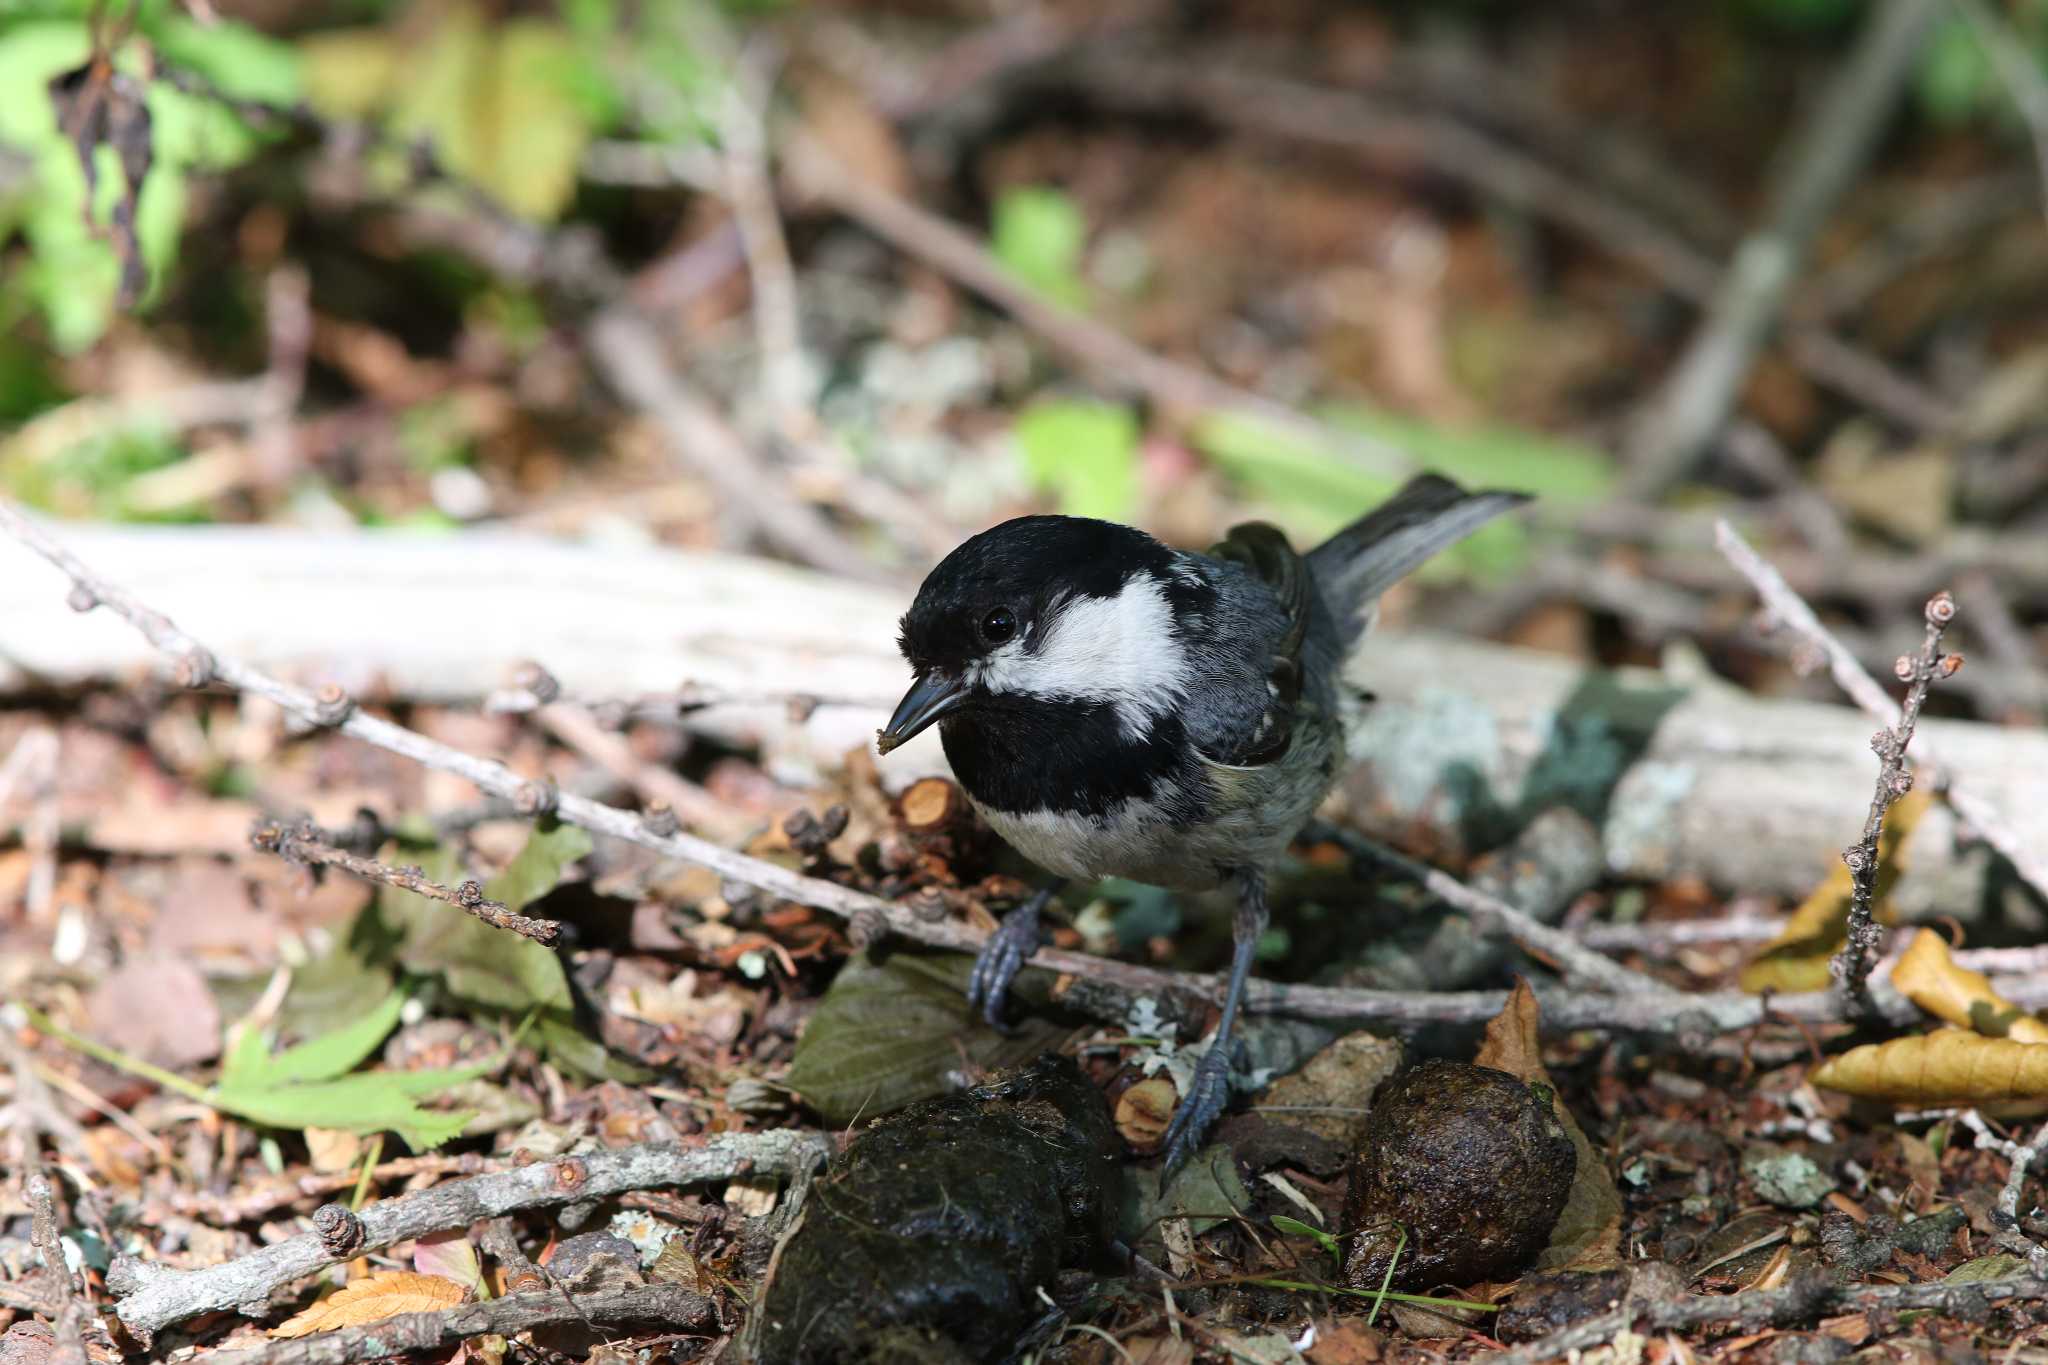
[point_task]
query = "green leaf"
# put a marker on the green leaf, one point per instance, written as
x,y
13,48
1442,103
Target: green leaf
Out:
x,y
539,865
348,71
368,1102
491,968
500,103
1315,491
1039,234
235,59
1955,80
481,964
889,1033
1086,453
1296,1228
317,1059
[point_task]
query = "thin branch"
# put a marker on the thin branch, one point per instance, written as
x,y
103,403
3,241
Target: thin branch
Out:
x,y
154,1296
1830,148
661,1305
1572,955
630,353
301,843
1803,1300
248,1204
1851,966
2007,1213
1110,357
1788,608
69,1312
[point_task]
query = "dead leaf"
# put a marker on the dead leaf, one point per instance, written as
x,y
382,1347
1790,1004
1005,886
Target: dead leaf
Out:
x,y
449,1255
157,1009
1587,1234
1931,979
374,1298
1143,1112
333,1149
1947,1066
1797,959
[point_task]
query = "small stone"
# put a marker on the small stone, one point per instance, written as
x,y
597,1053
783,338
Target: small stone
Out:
x,y
1789,1179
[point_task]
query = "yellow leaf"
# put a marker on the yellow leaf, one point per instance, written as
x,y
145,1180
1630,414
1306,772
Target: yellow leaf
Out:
x,y
1587,1234
374,1298
1797,959
1930,978
1947,1066
348,71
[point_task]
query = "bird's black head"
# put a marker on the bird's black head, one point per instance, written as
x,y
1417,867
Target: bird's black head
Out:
x,y
1046,606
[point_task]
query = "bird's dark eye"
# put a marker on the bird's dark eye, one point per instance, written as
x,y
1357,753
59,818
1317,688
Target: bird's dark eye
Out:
x,y
998,626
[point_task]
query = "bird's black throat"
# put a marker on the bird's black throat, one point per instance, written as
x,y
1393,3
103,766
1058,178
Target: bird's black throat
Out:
x,y
1017,753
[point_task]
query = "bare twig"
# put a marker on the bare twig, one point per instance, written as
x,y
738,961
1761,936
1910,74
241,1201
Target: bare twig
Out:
x,y
2007,1213
247,1204
1851,967
1573,956
301,843
1802,1300
1789,608
1113,359
69,1312
1829,150
153,1296
630,353
659,1305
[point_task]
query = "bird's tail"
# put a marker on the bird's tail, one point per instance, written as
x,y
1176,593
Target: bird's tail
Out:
x,y
1430,513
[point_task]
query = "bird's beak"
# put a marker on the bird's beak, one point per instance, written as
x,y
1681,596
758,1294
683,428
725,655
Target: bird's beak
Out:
x,y
931,696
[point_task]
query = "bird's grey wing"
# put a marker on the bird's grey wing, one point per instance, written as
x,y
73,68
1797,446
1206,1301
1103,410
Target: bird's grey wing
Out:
x,y
1263,552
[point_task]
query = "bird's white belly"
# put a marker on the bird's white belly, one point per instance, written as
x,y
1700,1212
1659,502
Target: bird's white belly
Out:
x,y
1252,815
1136,839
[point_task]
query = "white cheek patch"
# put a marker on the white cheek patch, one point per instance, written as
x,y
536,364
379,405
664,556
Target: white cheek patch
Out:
x,y
1119,650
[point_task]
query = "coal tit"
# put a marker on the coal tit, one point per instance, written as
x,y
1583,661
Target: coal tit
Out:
x,y
1115,707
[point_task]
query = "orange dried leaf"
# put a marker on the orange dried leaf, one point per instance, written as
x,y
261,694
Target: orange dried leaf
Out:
x,y
1947,1066
1797,959
1931,979
386,1294
1587,1234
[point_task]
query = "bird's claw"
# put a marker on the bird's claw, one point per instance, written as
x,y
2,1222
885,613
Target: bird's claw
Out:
x,y
1198,1109
1001,958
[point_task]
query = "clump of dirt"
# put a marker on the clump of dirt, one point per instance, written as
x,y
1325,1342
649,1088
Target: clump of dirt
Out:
x,y
927,1238
1471,1162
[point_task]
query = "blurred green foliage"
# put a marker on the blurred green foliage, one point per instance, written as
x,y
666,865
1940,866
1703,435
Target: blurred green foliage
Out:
x,y
1039,233
1314,490
96,477
1084,453
72,271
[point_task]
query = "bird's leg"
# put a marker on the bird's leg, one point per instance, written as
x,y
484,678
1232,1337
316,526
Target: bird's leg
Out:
x,y
1003,956
1211,1090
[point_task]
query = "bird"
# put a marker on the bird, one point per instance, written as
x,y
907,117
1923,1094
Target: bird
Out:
x,y
1115,707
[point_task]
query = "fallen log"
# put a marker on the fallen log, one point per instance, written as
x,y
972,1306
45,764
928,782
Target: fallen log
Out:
x,y
1681,779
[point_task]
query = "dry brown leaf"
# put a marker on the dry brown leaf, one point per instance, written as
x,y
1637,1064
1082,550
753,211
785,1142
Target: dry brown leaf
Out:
x,y
1947,1066
1797,959
1587,1235
374,1298
1144,1111
1931,979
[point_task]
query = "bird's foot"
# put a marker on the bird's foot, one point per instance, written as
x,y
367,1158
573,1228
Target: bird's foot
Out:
x,y
1001,958
1198,1109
